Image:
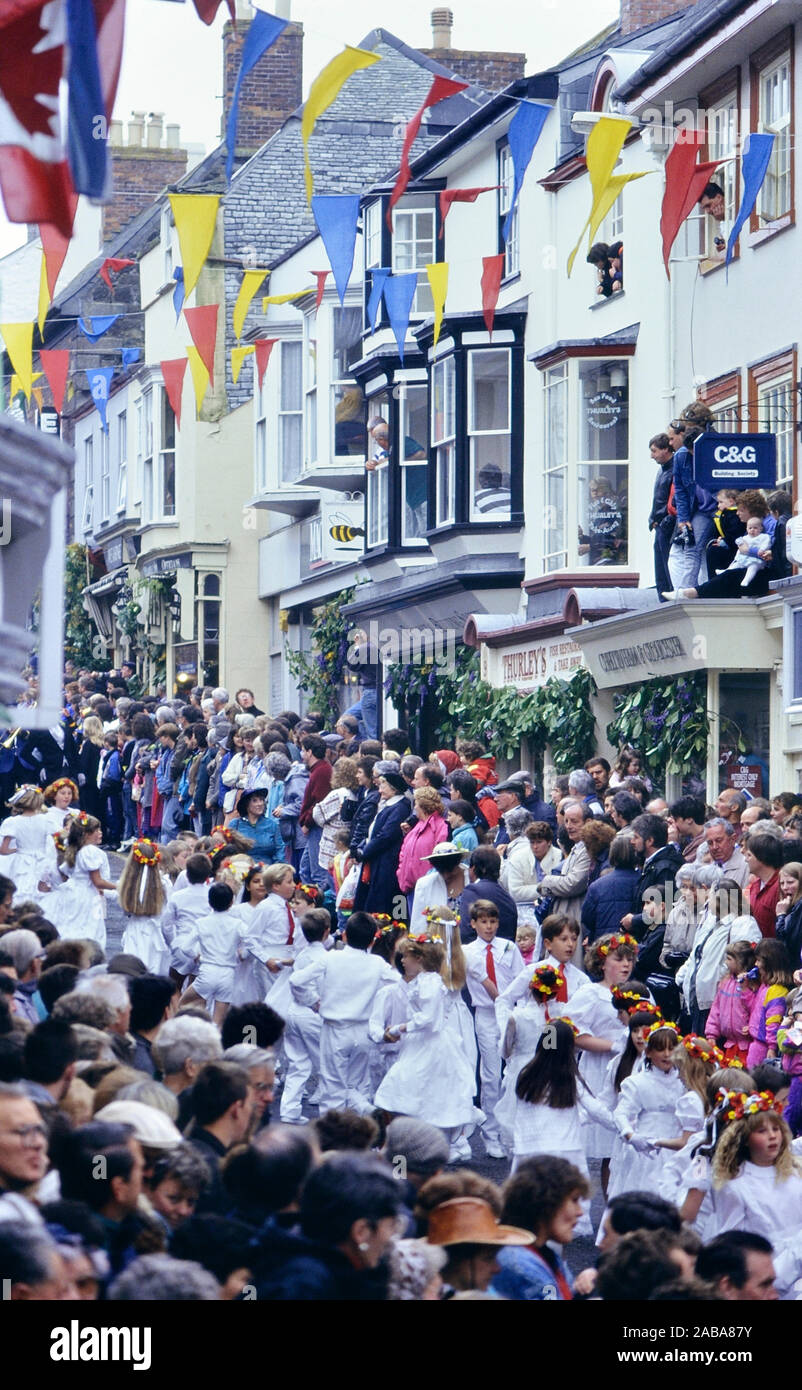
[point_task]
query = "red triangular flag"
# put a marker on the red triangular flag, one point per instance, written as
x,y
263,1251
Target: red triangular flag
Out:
x,y
441,88
173,378
492,272
56,366
55,244
449,196
114,263
320,276
207,9
202,324
685,183
263,348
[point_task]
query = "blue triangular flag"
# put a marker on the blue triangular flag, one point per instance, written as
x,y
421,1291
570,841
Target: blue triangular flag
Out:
x,y
377,278
130,356
523,135
336,215
86,147
99,379
94,328
263,31
399,292
178,292
754,164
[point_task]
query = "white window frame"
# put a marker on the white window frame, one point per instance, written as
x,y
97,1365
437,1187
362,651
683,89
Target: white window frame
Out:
x,y
474,432
105,478
512,246
726,416
403,415
722,143
775,199
164,454
149,488
338,383
285,414
422,304
122,461
374,213
378,505
87,519
311,447
445,458
776,416
556,385
582,465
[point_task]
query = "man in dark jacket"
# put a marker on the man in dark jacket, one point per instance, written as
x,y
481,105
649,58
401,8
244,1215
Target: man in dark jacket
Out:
x,y
367,802
661,520
377,890
222,1103
656,883
485,869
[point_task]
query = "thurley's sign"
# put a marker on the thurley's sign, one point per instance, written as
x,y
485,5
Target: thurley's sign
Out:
x,y
531,664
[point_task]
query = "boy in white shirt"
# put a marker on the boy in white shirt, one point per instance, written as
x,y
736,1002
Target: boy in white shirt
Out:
x,y
347,990
559,935
301,1036
182,913
492,964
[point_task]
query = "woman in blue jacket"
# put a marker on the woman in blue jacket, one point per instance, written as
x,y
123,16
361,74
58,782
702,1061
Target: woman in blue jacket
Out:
x,y
695,507
609,897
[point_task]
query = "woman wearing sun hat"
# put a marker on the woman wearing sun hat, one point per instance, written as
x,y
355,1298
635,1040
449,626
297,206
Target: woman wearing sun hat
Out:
x,y
467,1229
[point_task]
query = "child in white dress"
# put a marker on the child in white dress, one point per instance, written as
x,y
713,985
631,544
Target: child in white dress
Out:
x,y
559,935
26,845
61,799
442,923
520,1030
218,936
647,1111
390,1004
553,1104
78,909
697,1059
689,1172
627,1063
757,1180
431,1079
142,899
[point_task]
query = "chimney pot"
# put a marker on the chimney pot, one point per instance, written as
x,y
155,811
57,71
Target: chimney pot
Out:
x,y
173,136
442,24
155,130
136,127
115,132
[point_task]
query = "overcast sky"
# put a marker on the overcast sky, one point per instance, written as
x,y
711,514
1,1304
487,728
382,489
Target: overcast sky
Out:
x,y
173,63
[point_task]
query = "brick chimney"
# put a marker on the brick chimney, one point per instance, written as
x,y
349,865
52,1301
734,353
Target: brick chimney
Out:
x,y
140,170
272,90
637,14
493,71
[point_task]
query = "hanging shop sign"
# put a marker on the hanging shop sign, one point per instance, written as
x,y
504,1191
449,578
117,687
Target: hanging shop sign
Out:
x,y
166,564
735,460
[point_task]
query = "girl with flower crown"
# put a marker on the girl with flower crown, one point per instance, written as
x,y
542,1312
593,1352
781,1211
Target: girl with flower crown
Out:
x,y
78,908
60,798
142,899
646,1112
26,846
553,1104
612,958
757,1180
520,1029
688,1173
390,1002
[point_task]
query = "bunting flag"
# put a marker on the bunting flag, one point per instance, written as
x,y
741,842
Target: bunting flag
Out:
x,y
322,93
34,174
202,324
283,298
200,376
94,54
492,275
18,338
336,216
99,379
94,328
45,297
450,196
238,355
207,10
685,183
251,281
115,263
438,280
173,373
54,251
321,276
178,292
130,356
56,367
263,348
261,34
378,277
604,145
441,88
16,388
399,292
754,165
523,134
195,217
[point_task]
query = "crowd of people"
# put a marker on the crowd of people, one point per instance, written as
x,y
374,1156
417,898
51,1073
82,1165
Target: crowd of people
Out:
x,y
411,963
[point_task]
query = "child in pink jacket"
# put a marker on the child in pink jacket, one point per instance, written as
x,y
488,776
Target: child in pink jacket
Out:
x,y
728,1020
429,830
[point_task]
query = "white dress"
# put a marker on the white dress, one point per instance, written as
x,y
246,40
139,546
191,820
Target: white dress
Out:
x,y
33,857
431,1079
143,938
218,950
78,909
647,1106
251,977
389,1009
591,1010
529,1020
540,1129
756,1201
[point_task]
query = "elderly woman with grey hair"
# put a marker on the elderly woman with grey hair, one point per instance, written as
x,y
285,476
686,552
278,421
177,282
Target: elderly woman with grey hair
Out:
x,y
582,786
161,1278
692,882
518,870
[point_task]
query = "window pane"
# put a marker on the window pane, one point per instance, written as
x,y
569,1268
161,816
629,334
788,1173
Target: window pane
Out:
x,y
446,484
413,249
377,465
373,234
168,423
603,410
556,389
776,416
291,386
602,515
555,519
290,440
443,400
168,484
775,116
414,403
489,390
490,477
347,331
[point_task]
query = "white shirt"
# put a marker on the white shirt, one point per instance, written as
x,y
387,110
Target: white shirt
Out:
x,y
218,938
183,912
307,975
349,985
508,963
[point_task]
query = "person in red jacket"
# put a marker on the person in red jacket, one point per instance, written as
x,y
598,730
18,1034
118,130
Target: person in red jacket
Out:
x,y
480,764
313,755
764,856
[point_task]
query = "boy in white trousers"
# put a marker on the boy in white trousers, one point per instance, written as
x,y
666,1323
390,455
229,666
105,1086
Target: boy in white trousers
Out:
x,y
182,913
301,1036
347,990
492,964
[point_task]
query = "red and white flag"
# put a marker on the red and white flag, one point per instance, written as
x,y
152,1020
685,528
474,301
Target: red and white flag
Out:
x,y
34,176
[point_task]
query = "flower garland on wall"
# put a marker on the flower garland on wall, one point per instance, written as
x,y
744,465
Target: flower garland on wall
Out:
x,y
320,671
668,722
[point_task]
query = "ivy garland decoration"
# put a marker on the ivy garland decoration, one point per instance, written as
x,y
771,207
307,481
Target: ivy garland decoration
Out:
x,y
320,671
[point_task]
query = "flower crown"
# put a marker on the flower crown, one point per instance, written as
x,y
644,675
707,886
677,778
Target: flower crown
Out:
x,y
661,1026
137,850
62,782
221,830
632,1002
565,1019
617,939
310,889
432,915
646,1007
423,938
81,817
711,1054
756,1103
547,981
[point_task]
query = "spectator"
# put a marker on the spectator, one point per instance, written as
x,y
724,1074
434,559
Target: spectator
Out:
x,y
544,1195
313,755
32,1266
23,1155
662,518
51,1053
740,1266
485,873
721,849
182,1047
625,807
151,1005
568,887
660,862
764,855
160,1278
582,787
610,897
686,819
599,769
222,1105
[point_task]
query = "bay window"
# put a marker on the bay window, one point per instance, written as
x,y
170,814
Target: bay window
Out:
x,y
348,405
444,440
489,420
378,470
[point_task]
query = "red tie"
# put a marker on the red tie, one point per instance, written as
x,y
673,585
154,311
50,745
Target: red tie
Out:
x,y
562,993
291,921
490,964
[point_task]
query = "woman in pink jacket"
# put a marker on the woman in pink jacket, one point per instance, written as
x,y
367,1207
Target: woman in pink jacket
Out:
x,y
430,829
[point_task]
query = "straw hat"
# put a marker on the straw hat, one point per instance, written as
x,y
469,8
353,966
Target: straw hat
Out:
x,y
470,1221
445,850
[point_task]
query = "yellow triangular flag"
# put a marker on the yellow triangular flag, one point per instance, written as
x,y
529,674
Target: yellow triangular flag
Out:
x,y
605,143
195,217
283,298
251,281
200,375
438,279
16,385
238,355
322,93
18,338
44,297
